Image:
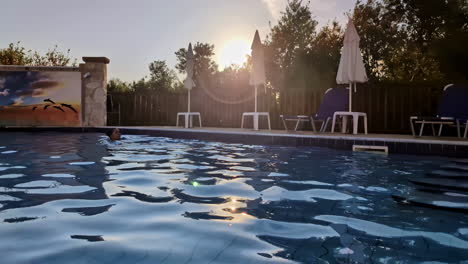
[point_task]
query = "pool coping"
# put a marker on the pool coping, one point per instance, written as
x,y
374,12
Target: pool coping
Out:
x,y
293,134
397,144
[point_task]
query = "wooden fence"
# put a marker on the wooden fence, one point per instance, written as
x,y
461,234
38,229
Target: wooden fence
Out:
x,y
388,106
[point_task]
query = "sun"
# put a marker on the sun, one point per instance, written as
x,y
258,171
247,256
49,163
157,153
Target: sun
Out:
x,y
234,52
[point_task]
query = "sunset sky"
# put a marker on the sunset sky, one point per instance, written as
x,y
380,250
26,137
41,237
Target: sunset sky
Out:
x,y
134,33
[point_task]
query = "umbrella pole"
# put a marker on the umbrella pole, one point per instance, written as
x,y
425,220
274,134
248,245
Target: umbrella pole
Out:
x,y
255,117
188,110
255,98
187,118
350,97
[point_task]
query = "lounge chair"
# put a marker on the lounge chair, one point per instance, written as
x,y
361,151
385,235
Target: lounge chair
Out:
x,y
452,111
334,99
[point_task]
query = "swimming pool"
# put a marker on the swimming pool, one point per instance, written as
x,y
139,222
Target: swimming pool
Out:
x,y
73,198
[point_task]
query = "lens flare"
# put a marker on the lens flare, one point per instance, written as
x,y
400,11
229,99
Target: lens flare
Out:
x,y
234,52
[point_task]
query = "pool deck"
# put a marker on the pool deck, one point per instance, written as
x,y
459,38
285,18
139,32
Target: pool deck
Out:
x,y
396,144
402,144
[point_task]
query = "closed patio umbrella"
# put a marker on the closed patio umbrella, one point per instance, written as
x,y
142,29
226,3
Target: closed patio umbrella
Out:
x,y
351,69
257,76
189,84
189,67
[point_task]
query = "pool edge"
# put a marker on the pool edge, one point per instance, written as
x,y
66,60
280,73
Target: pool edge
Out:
x,y
416,146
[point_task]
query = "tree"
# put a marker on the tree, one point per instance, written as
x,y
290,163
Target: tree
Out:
x,y
233,81
451,50
15,55
293,34
140,86
53,57
437,32
161,77
422,20
391,48
288,43
118,86
203,56
18,55
324,56
380,37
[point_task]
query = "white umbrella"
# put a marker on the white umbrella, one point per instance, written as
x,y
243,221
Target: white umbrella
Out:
x,y
189,65
351,69
257,77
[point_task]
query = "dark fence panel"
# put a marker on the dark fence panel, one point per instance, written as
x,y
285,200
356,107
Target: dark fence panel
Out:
x,y
388,106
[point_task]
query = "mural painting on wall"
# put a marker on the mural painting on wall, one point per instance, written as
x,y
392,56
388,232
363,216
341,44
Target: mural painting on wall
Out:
x,y
40,98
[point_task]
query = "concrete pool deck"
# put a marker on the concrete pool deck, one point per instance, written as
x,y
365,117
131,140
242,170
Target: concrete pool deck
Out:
x,y
401,144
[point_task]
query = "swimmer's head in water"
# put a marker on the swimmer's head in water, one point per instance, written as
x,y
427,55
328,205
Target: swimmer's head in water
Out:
x,y
113,134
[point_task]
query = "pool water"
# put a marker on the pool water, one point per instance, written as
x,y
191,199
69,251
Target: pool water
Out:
x,y
76,198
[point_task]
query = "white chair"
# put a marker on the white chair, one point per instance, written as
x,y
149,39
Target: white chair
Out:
x,y
188,117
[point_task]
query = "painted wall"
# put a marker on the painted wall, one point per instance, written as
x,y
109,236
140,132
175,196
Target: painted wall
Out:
x,y
40,98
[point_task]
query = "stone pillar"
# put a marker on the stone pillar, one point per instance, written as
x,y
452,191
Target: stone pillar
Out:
x,y
94,91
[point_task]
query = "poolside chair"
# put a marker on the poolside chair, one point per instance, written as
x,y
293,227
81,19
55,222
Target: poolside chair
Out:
x,y
452,111
334,99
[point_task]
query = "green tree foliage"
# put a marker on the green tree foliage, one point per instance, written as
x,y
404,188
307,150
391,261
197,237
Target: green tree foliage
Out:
x,y
233,80
53,57
389,52
141,86
293,35
380,38
15,54
287,45
401,40
324,56
436,36
161,77
118,86
422,20
203,55
450,49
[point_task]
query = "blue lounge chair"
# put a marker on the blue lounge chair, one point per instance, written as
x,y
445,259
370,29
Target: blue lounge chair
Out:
x,y
334,99
452,110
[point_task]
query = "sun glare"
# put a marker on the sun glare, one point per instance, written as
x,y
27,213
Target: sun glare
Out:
x,y
234,52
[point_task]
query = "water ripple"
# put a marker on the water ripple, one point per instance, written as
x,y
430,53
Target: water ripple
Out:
x,y
78,198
